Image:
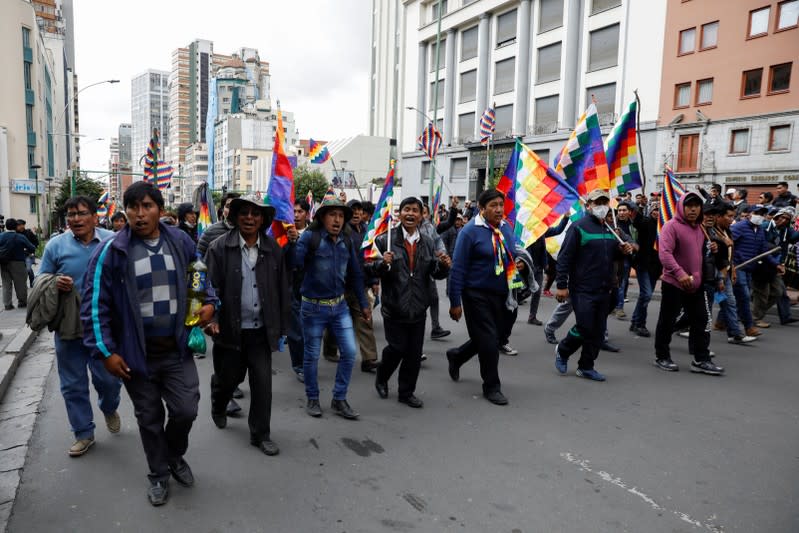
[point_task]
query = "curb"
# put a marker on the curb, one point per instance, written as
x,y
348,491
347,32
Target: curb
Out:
x,y
13,354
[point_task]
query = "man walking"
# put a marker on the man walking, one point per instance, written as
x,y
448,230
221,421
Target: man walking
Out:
x,y
295,342
30,259
247,271
67,257
405,265
133,313
14,248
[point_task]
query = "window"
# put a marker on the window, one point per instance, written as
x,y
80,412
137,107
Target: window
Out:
x,y
425,171
26,71
469,43
433,101
704,92
550,16
546,114
466,125
751,83
602,5
506,28
548,68
458,169
605,96
604,50
504,117
26,37
468,86
758,22
709,36
682,95
32,203
435,9
787,15
739,141
442,55
778,137
688,153
503,75
687,41
779,78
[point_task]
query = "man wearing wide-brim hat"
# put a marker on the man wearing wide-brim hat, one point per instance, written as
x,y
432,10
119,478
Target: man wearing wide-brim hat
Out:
x,y
247,269
331,265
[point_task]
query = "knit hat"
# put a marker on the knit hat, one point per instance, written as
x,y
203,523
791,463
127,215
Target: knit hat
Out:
x,y
786,211
329,202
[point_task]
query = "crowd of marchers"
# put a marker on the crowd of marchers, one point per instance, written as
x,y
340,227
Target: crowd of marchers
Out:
x,y
117,300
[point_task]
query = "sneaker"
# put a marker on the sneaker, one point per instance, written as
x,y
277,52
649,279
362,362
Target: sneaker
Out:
x,y
534,321
561,364
590,374
547,294
182,473
684,334
762,324
199,356
439,333
706,367
113,422
300,375
507,349
551,339
641,331
626,300
753,332
424,357
741,339
667,364
619,313
158,493
80,447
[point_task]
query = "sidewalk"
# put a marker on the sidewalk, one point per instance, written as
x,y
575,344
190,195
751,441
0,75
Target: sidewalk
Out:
x,y
14,343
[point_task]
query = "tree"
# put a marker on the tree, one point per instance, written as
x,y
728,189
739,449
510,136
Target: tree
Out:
x,y
305,179
492,183
83,187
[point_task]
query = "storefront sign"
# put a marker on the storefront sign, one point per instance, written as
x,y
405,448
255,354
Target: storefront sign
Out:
x,y
27,186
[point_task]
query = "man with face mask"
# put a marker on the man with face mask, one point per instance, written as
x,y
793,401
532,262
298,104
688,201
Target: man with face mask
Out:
x,y
768,287
585,277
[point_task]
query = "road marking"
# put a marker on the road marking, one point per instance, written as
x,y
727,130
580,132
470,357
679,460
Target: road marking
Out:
x,y
585,466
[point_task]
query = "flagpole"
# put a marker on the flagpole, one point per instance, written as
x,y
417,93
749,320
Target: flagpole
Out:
x,y
638,137
435,97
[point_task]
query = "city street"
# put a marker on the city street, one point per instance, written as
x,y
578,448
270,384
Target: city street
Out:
x,y
646,451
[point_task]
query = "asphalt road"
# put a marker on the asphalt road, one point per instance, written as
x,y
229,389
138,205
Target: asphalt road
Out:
x,y
646,451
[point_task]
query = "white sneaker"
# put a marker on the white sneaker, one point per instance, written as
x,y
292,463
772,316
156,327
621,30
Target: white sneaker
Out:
x,y
684,334
424,357
507,349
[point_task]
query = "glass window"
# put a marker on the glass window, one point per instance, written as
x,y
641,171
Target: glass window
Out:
x,y
788,14
506,28
425,171
468,86
26,71
546,114
710,35
682,95
779,78
602,5
29,117
504,75
32,203
758,21
26,37
752,80
704,91
504,117
548,68
550,16
469,43
778,137
442,55
604,51
433,101
688,153
739,141
435,9
605,96
687,41
458,169
466,126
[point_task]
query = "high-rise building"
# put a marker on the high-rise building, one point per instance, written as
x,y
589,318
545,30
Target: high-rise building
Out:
x,y
729,101
149,110
125,136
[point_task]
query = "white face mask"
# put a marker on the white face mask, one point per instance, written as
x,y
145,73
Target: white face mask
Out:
x,y
600,211
756,219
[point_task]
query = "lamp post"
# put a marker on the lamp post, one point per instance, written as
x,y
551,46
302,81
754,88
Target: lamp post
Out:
x,y
35,169
49,181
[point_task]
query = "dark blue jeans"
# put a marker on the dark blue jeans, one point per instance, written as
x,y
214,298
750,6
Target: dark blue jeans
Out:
x,y
625,281
743,297
644,297
337,319
296,344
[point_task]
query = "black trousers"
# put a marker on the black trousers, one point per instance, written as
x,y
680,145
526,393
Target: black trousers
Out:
x,y
485,315
403,350
591,321
230,367
173,380
697,313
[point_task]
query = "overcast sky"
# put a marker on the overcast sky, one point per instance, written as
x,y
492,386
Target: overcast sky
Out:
x,y
318,53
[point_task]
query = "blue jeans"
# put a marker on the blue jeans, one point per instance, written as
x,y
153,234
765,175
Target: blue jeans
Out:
x,y
743,297
337,319
728,312
73,358
644,297
625,281
296,347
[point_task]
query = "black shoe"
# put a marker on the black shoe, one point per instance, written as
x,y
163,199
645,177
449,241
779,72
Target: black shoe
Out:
x,y
608,347
313,408
382,388
439,333
706,367
343,409
22,305
496,397
181,471
411,401
332,358
233,408
238,393
641,331
369,366
266,446
158,493
667,364
220,420
789,321
534,321
454,369
9,307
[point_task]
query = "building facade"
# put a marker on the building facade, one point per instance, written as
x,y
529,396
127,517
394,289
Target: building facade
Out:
x,y
149,110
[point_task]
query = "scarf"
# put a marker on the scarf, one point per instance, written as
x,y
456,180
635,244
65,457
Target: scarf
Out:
x,y
503,261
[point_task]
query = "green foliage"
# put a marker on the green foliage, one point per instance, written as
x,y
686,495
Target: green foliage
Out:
x,y
492,183
305,179
83,187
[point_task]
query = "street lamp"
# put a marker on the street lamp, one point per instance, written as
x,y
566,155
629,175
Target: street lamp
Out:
x,y
49,181
35,169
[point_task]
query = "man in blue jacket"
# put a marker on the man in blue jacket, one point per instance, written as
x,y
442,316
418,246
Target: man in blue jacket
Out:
x,y
133,312
14,248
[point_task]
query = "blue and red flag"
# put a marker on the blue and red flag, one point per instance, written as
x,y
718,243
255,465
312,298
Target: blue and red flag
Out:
x,y
280,193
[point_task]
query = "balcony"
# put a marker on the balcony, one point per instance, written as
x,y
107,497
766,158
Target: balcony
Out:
x,y
543,128
30,98
31,138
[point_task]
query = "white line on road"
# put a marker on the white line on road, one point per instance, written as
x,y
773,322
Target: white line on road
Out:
x,y
585,466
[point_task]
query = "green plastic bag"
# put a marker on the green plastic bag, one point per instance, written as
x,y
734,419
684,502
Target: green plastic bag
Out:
x,y
197,340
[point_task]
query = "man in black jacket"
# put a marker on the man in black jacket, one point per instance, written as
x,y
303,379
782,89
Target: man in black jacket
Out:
x,y
405,268
247,269
646,266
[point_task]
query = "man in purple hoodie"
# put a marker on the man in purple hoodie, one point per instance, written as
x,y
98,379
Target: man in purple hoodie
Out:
x,y
681,250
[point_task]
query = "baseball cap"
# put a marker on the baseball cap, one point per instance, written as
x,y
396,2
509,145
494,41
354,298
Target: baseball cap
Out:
x,y
596,194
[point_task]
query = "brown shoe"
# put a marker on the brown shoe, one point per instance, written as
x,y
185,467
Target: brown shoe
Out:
x,y
762,324
113,422
720,326
753,332
80,447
